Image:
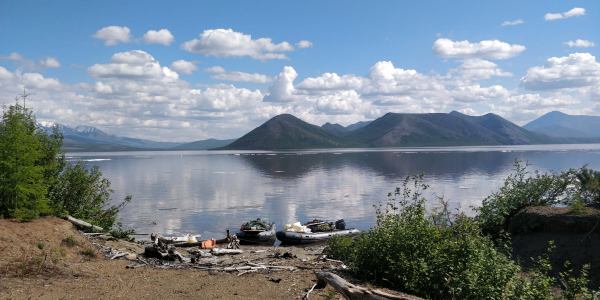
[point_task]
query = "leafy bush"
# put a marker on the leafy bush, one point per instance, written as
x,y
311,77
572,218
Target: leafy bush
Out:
x,y
84,194
408,251
588,186
519,191
36,180
442,255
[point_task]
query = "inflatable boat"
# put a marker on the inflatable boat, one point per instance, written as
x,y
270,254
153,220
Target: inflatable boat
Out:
x,y
296,238
249,236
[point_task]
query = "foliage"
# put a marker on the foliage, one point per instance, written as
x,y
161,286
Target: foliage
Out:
x,y
121,233
83,193
588,182
41,246
574,287
577,208
536,283
412,251
519,191
24,169
36,180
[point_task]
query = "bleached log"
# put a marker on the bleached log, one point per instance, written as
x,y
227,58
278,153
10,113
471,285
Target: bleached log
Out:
x,y
221,251
354,292
82,223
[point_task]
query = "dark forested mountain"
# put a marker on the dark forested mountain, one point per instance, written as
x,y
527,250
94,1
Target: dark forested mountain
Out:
x,y
288,132
391,130
514,134
92,135
358,125
558,124
204,144
334,127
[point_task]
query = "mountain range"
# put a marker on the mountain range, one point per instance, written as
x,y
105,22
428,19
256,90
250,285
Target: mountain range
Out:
x,y
391,130
88,138
558,124
394,130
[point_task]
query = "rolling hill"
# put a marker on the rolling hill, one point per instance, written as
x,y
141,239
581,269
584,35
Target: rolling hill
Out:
x,y
288,132
559,124
81,135
391,130
203,144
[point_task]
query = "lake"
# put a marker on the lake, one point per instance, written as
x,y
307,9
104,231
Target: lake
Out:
x,y
206,192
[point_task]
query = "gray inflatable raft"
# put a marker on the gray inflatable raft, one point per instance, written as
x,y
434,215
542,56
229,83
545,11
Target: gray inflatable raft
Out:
x,y
296,238
249,236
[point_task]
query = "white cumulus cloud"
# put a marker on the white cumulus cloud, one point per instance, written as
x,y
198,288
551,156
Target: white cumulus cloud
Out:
x,y
476,93
332,81
468,111
575,12
304,44
162,36
184,67
580,43
136,65
384,78
490,49
243,77
112,35
282,89
574,71
226,43
50,62
477,69
515,22
215,69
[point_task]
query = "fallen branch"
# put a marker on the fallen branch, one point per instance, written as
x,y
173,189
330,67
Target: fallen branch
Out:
x,y
351,291
589,232
306,296
82,223
221,251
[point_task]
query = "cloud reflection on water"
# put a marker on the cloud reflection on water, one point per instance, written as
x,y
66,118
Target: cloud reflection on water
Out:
x,y
213,191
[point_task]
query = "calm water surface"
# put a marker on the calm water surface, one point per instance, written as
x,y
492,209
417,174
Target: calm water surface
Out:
x,y
210,191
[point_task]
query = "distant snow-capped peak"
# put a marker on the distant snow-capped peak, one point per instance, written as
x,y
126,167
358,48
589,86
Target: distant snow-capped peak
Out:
x,y
85,129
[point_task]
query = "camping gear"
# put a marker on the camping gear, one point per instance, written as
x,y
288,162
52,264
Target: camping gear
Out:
x,y
257,231
340,224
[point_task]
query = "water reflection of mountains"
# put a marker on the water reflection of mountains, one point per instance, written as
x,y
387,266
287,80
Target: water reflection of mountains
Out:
x,y
388,164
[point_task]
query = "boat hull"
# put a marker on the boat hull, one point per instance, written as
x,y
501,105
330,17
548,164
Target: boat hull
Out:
x,y
297,238
258,237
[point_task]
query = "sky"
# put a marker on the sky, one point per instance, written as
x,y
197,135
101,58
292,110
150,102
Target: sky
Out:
x,y
192,70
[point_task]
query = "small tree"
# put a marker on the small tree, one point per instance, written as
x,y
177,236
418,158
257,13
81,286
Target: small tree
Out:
x,y
83,193
23,167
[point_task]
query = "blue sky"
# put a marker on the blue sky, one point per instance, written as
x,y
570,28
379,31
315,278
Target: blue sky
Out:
x,y
98,64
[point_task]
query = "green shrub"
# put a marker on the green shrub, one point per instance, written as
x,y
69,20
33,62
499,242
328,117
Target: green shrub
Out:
x,y
41,246
412,251
89,252
577,208
121,233
521,190
588,186
35,179
70,242
84,194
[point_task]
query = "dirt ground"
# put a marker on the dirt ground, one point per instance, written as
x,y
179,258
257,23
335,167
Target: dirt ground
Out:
x,y
576,237
68,266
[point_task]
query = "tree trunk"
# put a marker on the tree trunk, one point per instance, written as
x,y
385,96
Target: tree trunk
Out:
x,y
354,292
82,223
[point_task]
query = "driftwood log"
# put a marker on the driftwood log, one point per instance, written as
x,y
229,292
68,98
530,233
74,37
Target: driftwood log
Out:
x,y
354,292
82,223
222,251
